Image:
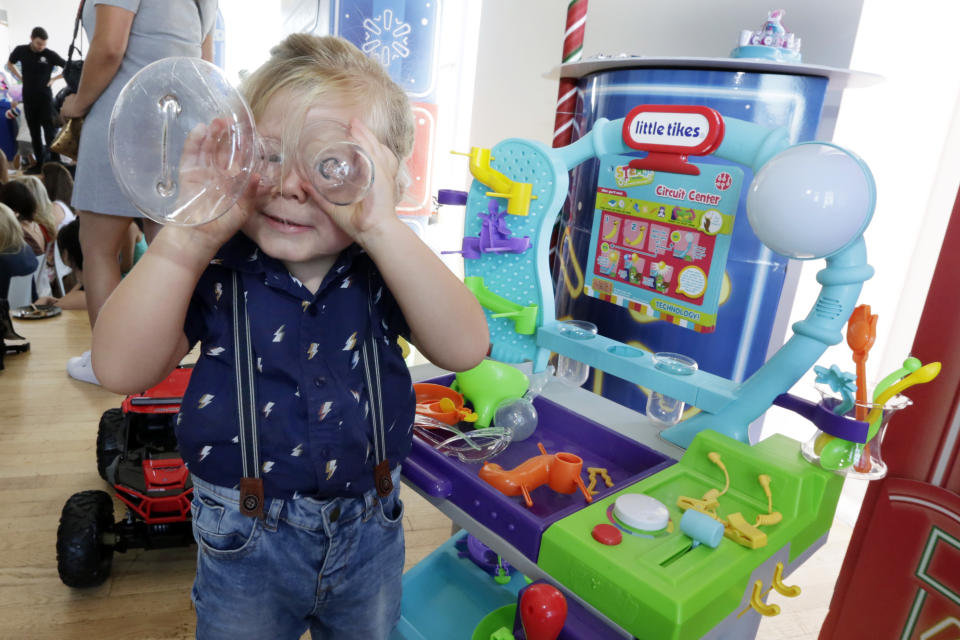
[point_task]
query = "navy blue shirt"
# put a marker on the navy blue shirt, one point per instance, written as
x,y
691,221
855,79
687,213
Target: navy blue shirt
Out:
x,y
312,401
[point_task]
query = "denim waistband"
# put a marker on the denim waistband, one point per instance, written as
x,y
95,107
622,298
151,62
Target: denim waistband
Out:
x,y
312,514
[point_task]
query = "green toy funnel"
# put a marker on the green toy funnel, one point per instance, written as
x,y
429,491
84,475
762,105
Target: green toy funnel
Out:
x,y
488,384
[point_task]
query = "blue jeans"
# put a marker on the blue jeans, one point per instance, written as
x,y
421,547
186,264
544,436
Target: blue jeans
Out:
x,y
333,566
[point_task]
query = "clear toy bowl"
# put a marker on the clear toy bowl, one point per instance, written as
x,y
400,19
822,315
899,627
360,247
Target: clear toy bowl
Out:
x,y
155,113
184,147
471,446
853,460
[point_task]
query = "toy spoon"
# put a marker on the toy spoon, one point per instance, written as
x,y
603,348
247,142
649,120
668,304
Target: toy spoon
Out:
x,y
861,334
910,365
924,374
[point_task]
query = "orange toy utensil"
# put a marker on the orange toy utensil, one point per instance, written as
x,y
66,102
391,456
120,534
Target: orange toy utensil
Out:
x,y
560,471
861,334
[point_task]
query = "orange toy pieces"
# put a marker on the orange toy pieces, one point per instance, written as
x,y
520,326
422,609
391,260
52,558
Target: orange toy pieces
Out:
x,y
560,471
442,403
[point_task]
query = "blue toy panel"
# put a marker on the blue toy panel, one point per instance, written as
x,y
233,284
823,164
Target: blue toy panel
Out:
x,y
515,276
755,274
401,34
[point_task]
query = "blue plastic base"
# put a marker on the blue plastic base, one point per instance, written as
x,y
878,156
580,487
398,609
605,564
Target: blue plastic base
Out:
x,y
445,596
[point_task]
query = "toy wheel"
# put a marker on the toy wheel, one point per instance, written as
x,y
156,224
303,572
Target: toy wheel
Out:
x,y
84,539
111,439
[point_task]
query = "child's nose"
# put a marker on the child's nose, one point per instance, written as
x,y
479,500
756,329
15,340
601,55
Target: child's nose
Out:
x,y
292,185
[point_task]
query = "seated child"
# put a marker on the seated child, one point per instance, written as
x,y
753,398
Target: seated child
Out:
x,y
308,399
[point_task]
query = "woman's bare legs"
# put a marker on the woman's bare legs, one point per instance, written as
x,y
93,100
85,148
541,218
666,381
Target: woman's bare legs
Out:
x,y
101,238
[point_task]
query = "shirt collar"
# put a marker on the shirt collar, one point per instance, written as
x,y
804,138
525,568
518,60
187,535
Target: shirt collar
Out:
x,y
241,254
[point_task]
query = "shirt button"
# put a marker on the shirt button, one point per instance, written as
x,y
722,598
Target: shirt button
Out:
x,y
319,381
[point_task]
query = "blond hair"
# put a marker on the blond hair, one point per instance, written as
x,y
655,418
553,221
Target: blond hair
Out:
x,y
11,233
44,214
331,70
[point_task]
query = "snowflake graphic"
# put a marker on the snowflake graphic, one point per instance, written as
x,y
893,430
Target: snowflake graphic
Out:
x,y
386,38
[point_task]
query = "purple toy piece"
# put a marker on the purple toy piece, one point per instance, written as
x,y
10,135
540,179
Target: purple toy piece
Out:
x,y
451,196
494,236
484,557
824,418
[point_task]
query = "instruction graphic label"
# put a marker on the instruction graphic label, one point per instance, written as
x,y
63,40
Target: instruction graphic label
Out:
x,y
660,241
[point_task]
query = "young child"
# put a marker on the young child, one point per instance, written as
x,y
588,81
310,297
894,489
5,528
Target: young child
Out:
x,y
318,280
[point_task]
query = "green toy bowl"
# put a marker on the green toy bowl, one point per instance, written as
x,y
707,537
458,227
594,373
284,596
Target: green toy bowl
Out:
x,y
502,617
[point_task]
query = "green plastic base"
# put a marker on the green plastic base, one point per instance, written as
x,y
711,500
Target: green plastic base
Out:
x,y
644,587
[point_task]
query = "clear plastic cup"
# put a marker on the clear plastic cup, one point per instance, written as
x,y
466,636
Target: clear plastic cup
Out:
x,y
574,372
661,408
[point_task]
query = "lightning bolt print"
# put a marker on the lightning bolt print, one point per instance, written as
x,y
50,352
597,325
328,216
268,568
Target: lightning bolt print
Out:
x,y
253,256
267,408
346,282
356,395
331,468
297,451
217,290
304,305
267,466
205,452
259,364
235,440
205,400
312,351
351,342
279,333
325,409
355,360
215,351
376,297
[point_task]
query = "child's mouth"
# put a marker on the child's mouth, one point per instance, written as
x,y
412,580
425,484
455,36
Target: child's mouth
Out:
x,y
282,224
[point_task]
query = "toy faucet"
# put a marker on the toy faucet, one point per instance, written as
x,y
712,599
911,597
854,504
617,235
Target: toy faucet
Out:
x,y
560,471
518,194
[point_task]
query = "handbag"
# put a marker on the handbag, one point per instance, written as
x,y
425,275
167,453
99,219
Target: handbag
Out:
x,y
67,141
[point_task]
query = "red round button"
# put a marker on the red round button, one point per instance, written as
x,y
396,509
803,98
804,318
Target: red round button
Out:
x,y
607,534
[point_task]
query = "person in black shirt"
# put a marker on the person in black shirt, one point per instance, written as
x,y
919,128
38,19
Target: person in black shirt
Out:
x,y
36,66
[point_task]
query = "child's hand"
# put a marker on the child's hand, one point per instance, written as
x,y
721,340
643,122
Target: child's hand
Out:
x,y
208,173
377,211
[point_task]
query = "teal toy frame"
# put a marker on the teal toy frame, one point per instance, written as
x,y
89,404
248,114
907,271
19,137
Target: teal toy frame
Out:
x,y
523,281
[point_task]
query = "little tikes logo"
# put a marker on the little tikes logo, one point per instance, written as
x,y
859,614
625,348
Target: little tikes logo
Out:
x,y
680,129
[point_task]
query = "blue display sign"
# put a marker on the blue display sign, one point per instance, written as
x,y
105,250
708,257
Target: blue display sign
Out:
x,y
402,35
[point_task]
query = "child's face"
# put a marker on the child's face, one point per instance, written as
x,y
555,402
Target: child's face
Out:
x,y
286,223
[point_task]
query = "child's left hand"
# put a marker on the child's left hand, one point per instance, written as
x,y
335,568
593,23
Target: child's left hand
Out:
x,y
377,211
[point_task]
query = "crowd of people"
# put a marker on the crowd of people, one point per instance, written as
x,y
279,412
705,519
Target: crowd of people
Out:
x,y
47,193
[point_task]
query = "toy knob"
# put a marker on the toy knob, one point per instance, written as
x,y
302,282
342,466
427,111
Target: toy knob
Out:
x,y
543,610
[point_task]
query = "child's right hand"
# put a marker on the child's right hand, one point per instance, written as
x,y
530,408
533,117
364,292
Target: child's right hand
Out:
x,y
208,174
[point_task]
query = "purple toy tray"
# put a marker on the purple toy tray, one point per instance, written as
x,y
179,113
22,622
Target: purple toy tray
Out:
x,y
559,429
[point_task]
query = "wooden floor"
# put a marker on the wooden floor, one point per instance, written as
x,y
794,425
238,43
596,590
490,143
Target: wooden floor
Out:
x,y
48,425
